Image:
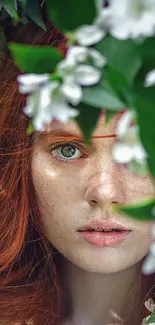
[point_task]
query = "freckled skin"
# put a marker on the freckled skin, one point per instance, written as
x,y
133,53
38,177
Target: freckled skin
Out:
x,y
75,193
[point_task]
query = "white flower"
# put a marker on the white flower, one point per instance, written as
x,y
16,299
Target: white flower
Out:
x,y
130,19
46,103
86,75
150,78
129,148
80,54
88,35
30,82
149,304
98,59
148,266
75,74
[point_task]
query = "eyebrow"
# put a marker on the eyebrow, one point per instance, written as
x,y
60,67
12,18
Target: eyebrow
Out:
x,y
67,135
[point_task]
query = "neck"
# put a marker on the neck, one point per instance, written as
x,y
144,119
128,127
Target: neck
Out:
x,y
91,297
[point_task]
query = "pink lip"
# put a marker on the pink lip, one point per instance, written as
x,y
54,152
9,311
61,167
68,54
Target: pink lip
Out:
x,y
104,225
103,239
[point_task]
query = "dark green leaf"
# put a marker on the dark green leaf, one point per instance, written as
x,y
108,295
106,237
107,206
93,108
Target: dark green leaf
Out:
x,y
144,104
141,211
109,115
122,55
1,5
70,14
33,10
102,96
87,120
151,318
118,84
35,59
147,51
9,6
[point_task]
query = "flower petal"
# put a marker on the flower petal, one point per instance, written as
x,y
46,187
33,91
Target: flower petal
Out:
x,y
99,60
63,112
152,248
66,66
149,304
77,53
88,35
32,102
130,19
124,123
38,104
150,78
148,266
122,153
29,82
139,153
86,75
72,92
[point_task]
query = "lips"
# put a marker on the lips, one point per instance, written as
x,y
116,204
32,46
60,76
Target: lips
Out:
x,y
103,226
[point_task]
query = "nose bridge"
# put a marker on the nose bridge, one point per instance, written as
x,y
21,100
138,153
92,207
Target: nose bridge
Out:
x,y
105,186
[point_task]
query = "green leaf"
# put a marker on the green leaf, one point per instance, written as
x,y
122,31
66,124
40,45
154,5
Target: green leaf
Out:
x,y
30,128
35,59
1,4
141,211
151,319
102,95
9,6
109,116
122,55
144,100
118,84
33,10
70,14
147,51
86,124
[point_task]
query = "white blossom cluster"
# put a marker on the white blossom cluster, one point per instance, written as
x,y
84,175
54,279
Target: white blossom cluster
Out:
x,y
50,100
128,149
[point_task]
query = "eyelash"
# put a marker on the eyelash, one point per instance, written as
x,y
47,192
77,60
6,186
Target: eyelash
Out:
x,y
53,148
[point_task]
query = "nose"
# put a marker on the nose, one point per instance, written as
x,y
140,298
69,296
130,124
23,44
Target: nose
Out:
x,y
105,188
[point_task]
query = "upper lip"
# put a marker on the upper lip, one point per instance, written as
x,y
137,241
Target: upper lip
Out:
x,y
103,225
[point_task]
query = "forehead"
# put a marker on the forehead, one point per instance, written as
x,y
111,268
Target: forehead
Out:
x,y
101,127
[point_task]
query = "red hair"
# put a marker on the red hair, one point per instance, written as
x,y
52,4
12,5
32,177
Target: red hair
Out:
x,y
29,264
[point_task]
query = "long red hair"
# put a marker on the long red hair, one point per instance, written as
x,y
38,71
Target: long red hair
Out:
x,y
30,286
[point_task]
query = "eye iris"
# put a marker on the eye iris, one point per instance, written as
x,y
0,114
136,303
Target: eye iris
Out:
x,y
68,150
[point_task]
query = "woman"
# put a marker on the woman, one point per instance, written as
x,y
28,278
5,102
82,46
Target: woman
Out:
x,y
52,186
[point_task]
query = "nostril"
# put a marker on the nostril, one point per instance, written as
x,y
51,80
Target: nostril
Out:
x,y
93,202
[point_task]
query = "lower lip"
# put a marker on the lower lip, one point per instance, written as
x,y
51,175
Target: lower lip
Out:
x,y
103,239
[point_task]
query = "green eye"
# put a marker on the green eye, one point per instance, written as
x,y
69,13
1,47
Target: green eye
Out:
x,y
67,151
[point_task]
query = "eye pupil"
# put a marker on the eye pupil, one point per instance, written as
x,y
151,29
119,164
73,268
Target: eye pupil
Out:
x,y
69,149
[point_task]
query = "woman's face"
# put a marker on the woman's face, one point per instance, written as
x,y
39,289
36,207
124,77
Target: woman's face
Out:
x,y
76,185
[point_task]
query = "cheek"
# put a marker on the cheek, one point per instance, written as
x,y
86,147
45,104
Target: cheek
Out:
x,y
144,237
56,197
